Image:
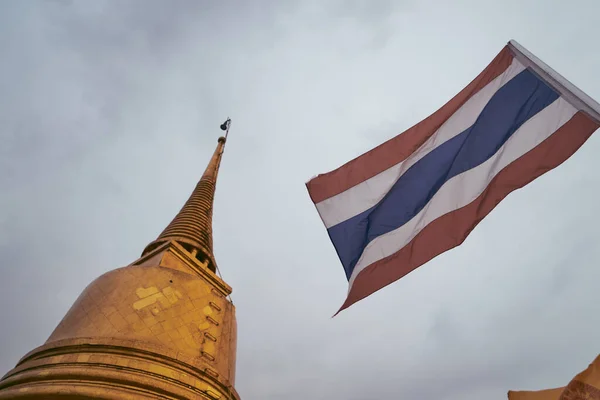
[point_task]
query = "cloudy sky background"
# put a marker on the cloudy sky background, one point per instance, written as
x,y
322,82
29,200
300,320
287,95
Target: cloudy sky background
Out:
x,y
109,111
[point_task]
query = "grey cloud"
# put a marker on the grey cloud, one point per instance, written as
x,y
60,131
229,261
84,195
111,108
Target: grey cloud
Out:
x,y
109,112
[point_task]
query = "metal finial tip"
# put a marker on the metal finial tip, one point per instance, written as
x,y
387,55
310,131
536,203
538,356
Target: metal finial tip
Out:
x,y
222,139
225,125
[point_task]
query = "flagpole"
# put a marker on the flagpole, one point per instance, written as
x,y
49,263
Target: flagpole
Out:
x,y
564,87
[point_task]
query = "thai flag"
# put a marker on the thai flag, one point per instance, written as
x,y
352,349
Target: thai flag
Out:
x,y
422,192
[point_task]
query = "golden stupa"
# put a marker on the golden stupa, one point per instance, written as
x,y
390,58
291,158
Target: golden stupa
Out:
x,y
159,328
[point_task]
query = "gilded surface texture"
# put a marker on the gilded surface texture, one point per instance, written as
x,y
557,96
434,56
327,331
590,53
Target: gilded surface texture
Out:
x,y
577,390
170,308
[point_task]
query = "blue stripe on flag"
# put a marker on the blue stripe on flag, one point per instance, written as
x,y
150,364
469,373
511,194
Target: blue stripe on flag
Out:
x,y
516,102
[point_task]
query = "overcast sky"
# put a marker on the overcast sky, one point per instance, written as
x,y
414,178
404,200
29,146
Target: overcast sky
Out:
x,y
109,112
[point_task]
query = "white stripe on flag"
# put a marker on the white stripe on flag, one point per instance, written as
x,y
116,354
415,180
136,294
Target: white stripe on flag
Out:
x,y
466,187
368,193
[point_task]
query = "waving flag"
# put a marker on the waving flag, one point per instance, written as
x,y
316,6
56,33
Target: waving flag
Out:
x,y
422,192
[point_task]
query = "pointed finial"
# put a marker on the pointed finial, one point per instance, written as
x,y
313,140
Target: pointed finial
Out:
x,y
192,226
225,125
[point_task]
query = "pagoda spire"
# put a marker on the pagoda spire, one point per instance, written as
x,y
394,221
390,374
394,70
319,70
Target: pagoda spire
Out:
x,y
162,327
192,226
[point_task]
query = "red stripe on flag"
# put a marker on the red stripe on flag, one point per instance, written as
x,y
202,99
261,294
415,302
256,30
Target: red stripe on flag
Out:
x,y
453,228
401,146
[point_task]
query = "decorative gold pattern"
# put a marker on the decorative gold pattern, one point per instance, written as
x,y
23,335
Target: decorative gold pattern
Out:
x,y
161,327
577,390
